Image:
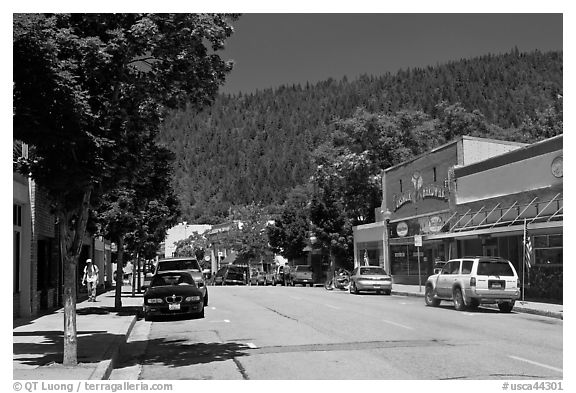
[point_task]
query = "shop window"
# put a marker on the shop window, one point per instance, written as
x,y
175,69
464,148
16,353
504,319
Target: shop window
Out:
x,y
548,250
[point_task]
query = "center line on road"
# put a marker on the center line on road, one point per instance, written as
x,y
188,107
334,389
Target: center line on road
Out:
x,y
537,364
331,306
398,324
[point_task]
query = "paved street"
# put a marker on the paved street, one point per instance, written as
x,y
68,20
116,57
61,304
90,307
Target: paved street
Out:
x,y
298,333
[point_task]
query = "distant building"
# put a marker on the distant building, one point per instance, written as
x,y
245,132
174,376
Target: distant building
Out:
x,y
180,232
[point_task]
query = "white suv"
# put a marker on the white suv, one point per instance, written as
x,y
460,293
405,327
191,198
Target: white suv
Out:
x,y
472,281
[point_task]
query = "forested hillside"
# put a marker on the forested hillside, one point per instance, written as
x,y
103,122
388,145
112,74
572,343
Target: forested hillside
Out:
x,y
256,147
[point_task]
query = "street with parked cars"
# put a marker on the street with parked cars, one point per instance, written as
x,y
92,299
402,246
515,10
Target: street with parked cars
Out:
x,y
461,327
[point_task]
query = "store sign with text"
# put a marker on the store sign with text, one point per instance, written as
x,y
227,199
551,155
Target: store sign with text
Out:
x,y
419,192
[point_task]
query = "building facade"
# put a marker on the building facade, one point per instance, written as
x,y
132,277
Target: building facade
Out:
x,y
418,198
468,197
37,252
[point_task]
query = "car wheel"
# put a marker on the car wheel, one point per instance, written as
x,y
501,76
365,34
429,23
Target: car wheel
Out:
x,y
201,315
506,306
206,299
388,292
474,304
458,300
429,297
146,316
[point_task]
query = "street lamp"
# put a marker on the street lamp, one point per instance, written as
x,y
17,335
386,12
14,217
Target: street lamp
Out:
x,y
386,214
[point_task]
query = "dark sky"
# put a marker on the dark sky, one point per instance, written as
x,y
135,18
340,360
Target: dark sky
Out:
x,y
274,49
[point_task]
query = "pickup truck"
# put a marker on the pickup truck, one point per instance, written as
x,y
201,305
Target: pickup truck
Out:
x,y
302,274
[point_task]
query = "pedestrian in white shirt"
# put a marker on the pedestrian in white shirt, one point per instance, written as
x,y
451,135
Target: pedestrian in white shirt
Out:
x,y
90,279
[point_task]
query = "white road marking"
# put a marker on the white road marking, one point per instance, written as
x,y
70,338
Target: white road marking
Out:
x,y
397,324
251,345
331,306
212,308
225,321
537,364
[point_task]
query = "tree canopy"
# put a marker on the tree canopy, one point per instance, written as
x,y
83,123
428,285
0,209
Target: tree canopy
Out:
x,y
90,92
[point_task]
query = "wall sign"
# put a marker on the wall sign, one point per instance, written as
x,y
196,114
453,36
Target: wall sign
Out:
x,y
420,191
435,224
556,167
402,229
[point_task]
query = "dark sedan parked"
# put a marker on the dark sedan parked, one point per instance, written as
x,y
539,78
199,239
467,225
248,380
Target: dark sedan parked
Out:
x,y
173,293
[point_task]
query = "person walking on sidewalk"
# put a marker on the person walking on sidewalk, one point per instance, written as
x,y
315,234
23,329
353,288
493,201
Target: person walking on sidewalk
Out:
x,y
91,279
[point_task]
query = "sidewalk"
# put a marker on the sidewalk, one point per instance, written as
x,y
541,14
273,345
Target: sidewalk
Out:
x,y
545,309
38,343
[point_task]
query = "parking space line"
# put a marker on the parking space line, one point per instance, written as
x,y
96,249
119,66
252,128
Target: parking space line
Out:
x,y
397,324
537,364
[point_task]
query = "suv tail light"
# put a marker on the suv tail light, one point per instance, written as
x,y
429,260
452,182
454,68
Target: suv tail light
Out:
x,y
472,281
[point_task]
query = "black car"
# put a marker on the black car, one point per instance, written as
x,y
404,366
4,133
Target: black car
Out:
x,y
230,275
173,293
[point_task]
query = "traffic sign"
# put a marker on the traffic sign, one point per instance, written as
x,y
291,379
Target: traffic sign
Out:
x,y
418,240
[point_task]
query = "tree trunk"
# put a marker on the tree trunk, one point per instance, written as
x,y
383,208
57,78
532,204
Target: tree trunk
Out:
x,y
134,271
119,274
73,229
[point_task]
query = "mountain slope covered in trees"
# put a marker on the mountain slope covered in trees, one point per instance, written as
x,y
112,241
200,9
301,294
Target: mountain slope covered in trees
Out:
x,y
254,148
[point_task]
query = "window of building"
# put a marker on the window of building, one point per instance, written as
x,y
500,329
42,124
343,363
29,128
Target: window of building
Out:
x,y
548,250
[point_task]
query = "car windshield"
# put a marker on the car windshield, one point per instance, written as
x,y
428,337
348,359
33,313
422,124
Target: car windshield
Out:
x,y
303,269
494,269
183,264
171,279
369,271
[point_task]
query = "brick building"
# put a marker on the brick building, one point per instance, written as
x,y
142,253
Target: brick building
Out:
x,y
469,197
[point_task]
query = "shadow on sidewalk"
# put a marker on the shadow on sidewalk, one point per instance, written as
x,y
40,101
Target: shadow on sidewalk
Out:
x,y
104,310
50,349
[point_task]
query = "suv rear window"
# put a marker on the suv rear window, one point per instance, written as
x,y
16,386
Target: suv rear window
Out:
x,y
185,264
494,269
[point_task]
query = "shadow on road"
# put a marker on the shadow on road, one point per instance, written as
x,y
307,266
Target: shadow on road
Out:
x,y
178,353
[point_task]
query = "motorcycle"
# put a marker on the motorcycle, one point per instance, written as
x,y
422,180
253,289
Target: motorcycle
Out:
x,y
340,281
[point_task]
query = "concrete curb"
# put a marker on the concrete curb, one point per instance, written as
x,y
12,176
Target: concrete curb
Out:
x,y
105,367
543,313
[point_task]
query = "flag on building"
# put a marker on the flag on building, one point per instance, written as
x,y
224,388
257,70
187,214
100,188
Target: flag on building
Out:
x,y
527,246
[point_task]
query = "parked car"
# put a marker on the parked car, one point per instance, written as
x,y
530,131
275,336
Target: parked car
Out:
x,y
173,293
301,274
230,275
471,281
257,277
187,264
370,279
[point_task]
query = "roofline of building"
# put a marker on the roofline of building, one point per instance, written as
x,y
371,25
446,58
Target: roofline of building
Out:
x,y
529,150
452,142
